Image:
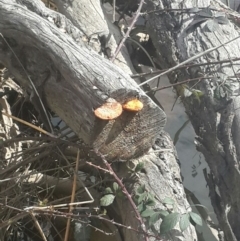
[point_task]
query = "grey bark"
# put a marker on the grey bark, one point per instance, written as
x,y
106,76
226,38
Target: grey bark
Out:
x,y
215,119
67,74
74,80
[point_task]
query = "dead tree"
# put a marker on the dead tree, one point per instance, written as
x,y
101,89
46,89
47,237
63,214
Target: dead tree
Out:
x,y
47,53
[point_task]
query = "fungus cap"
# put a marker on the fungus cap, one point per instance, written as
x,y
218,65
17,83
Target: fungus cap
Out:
x,y
134,105
109,111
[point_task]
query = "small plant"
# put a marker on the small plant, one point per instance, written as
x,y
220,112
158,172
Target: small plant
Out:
x,y
185,92
110,194
145,201
138,168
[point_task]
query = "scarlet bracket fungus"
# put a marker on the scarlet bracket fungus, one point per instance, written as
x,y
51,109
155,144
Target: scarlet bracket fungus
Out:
x,y
134,105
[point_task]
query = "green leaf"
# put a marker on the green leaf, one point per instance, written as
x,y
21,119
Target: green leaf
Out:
x,y
196,218
187,92
169,222
154,218
115,187
194,10
207,13
147,213
168,200
139,167
120,194
142,197
163,213
107,200
141,189
151,196
150,201
108,190
195,24
197,94
221,18
141,207
200,205
212,25
184,221
104,212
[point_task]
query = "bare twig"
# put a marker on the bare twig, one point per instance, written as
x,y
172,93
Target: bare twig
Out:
x,y
29,124
180,83
124,190
31,82
38,139
185,66
128,31
77,216
114,10
13,220
37,225
98,167
189,60
182,10
73,196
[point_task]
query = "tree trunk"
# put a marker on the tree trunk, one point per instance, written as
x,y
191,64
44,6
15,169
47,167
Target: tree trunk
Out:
x,y
215,115
74,80
85,79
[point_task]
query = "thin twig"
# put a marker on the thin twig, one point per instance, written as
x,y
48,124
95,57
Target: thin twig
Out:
x,y
77,216
235,74
31,82
124,190
73,196
29,124
189,60
98,167
50,207
185,66
13,220
182,10
180,83
38,226
79,179
128,31
114,10
38,139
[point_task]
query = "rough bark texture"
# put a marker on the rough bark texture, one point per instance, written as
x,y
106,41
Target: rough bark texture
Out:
x,y
215,119
76,80
90,19
64,73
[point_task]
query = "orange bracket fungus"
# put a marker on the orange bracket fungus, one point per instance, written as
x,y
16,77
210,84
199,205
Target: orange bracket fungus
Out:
x,y
134,105
109,110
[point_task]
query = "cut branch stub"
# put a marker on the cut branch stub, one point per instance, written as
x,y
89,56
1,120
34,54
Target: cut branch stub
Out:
x,y
75,81
132,133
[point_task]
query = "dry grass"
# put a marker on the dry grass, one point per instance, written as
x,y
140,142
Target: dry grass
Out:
x,y
36,171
